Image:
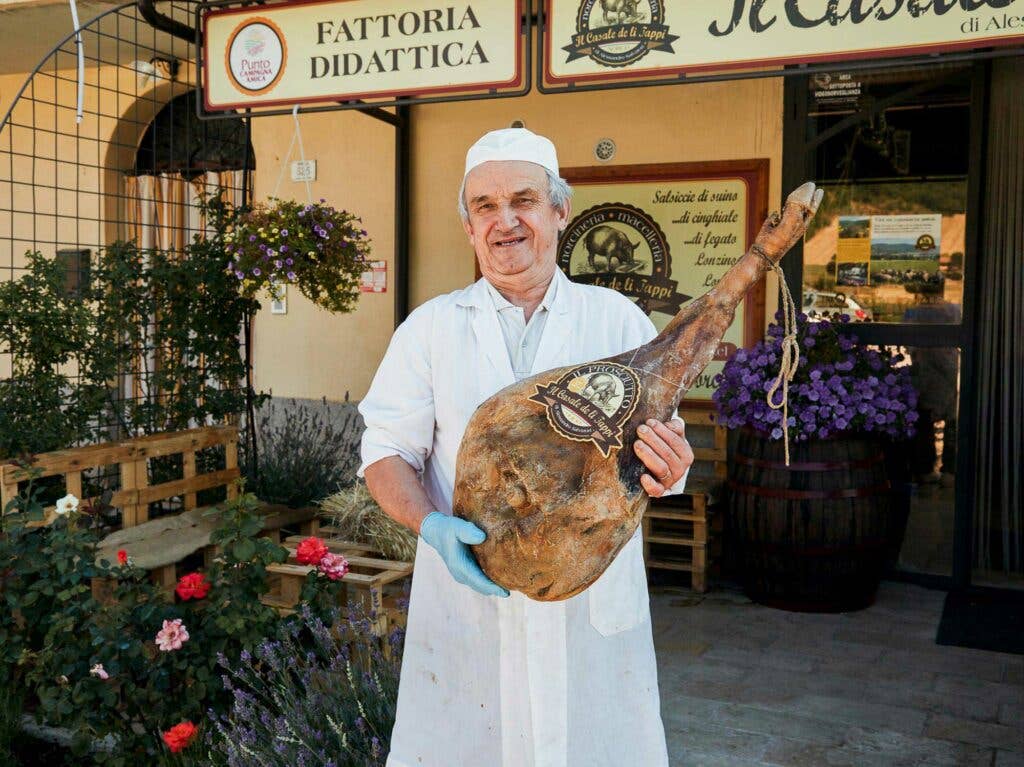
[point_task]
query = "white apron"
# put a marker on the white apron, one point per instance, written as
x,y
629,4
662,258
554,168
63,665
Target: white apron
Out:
x,y
491,682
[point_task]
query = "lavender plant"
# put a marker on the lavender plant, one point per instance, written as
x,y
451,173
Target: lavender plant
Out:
x,y
312,696
839,387
304,455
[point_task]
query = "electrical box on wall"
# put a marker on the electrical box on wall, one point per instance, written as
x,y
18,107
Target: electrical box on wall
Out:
x,y
304,170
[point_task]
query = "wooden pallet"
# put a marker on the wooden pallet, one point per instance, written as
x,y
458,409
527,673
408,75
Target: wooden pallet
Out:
x,y
375,584
678,530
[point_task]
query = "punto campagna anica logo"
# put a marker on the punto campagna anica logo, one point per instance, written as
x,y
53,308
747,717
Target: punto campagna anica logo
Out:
x,y
256,56
617,33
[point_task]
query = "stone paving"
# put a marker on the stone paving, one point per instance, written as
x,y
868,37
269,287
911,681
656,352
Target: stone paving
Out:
x,y
742,684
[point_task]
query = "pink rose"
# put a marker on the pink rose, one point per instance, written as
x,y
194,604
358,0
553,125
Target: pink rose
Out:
x,y
172,636
99,671
334,566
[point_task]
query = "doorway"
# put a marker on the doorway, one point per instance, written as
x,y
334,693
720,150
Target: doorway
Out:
x,y
894,248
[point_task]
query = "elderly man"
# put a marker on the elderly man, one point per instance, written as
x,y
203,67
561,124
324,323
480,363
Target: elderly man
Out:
x,y
491,679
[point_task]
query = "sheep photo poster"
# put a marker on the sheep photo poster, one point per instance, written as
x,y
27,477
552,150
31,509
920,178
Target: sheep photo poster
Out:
x,y
663,235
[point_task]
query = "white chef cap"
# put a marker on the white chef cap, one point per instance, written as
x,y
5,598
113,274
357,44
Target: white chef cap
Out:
x,y
512,144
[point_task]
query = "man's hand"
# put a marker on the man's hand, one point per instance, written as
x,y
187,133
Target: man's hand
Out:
x,y
450,537
665,452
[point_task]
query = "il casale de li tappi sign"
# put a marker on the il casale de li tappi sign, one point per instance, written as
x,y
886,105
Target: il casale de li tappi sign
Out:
x,y
339,50
631,39
336,50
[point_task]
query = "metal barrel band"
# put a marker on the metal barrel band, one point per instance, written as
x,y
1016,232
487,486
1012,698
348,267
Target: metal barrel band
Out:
x,y
816,550
805,495
761,463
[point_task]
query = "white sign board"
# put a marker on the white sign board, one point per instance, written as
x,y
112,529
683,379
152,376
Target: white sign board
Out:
x,y
337,50
644,39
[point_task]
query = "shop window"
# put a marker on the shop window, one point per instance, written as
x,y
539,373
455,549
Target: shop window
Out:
x,y
891,151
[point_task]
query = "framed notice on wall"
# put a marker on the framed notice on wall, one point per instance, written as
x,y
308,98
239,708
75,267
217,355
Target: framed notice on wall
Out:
x,y
664,235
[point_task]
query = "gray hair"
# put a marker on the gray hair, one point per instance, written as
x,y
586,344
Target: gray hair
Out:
x,y
559,193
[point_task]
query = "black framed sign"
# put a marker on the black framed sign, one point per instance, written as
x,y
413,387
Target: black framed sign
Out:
x,y
589,44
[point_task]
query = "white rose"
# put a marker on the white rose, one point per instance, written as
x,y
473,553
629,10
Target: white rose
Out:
x,y
67,504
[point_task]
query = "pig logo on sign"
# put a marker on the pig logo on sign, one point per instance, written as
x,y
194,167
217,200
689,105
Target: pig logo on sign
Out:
x,y
617,33
621,12
620,246
610,244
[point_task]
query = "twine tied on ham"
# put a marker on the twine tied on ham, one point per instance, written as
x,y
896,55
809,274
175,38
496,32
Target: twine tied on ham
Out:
x,y
790,349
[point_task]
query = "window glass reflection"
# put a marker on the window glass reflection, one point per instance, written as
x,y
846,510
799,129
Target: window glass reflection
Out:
x,y
887,252
890,149
923,470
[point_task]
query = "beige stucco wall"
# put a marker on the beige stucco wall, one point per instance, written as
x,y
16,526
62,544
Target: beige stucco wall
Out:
x,y
681,123
311,353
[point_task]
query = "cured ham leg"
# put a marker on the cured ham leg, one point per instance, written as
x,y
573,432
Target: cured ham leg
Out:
x,y
546,467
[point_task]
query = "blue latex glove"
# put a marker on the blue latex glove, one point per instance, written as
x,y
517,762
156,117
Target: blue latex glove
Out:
x,y
450,537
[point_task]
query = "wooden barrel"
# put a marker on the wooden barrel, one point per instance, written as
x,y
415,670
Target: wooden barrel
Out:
x,y
816,535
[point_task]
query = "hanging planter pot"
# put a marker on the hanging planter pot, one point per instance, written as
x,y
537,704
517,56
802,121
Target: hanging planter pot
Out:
x,y
320,249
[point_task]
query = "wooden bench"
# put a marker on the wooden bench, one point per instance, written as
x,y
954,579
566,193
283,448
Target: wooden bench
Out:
x,y
156,545
679,532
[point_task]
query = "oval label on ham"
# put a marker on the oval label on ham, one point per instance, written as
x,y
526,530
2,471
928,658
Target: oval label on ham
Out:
x,y
591,403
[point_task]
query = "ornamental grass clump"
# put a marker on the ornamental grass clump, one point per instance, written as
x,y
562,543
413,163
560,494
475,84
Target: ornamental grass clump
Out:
x,y
319,248
839,387
312,695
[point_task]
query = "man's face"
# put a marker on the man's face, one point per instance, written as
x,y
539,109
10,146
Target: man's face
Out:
x,y
512,226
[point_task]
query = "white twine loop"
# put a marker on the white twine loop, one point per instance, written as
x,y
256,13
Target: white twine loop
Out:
x,y
790,349
296,135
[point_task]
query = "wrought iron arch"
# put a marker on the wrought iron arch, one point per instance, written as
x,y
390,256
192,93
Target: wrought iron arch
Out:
x,y
177,141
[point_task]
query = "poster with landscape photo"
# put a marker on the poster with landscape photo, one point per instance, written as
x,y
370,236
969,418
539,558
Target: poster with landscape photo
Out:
x,y
905,249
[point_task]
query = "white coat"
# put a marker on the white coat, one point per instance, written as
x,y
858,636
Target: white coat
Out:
x,y
492,682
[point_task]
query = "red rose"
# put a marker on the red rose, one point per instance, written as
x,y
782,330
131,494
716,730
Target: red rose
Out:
x,y
122,557
310,552
180,736
192,586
